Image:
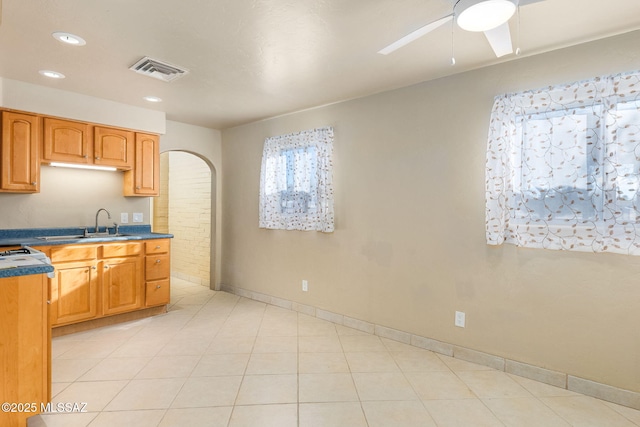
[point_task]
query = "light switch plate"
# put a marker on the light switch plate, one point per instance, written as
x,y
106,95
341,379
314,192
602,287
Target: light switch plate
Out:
x,y
137,217
124,218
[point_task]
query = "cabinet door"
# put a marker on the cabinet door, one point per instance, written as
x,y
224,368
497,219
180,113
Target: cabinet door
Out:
x,y
25,346
121,284
144,178
66,141
20,158
74,292
113,147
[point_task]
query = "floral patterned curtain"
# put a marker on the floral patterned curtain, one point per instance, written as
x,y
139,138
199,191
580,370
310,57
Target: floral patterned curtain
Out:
x,y
563,167
296,181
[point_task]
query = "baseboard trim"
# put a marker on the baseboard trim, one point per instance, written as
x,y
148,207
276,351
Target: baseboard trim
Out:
x,y
557,379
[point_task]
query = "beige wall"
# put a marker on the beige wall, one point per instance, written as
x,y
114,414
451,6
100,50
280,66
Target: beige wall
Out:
x,y
70,198
189,216
206,144
409,247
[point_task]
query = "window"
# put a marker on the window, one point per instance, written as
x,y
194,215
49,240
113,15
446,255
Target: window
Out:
x,y
296,189
563,167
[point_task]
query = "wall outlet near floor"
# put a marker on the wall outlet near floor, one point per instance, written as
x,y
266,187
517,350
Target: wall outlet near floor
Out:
x,y
137,217
460,319
305,286
124,218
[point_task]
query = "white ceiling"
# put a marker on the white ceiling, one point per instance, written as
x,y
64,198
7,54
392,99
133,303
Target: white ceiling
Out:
x,y
252,59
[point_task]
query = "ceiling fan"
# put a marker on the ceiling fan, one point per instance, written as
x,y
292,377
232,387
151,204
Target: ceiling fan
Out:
x,y
489,16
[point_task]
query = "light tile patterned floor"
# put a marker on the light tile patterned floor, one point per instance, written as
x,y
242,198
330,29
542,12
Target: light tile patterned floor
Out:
x,y
220,360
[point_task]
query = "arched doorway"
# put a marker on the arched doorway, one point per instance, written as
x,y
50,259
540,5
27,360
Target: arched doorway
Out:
x,y
184,209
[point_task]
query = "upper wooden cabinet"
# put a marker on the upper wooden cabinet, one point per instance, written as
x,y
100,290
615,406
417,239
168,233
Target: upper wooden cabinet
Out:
x,y
113,147
29,139
20,169
144,178
67,141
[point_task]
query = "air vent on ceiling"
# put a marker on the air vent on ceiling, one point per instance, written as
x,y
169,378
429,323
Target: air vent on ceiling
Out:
x,y
158,69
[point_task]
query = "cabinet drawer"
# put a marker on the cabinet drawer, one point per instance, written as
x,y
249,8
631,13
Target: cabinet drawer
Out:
x,y
113,250
74,253
157,267
157,246
158,293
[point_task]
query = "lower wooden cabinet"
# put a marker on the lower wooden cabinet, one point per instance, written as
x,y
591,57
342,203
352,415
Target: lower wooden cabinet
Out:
x,y
74,292
157,272
97,280
75,287
157,292
121,285
25,350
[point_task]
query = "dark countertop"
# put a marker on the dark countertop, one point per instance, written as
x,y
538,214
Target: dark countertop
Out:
x,y
26,271
30,237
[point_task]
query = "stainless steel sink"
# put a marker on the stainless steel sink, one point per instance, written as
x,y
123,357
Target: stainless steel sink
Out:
x,y
118,236
55,238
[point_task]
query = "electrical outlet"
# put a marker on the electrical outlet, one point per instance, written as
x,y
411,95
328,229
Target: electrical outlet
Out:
x,y
305,286
124,218
460,319
137,217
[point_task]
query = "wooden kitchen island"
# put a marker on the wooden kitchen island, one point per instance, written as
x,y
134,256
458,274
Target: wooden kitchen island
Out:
x,y
25,344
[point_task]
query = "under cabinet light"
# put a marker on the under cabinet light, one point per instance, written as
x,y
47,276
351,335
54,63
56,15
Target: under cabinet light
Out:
x,y
74,166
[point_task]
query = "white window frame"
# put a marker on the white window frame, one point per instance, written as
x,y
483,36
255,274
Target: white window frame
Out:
x,y
296,181
593,203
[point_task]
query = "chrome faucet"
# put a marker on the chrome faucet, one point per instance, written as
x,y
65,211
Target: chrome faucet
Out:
x,y
98,213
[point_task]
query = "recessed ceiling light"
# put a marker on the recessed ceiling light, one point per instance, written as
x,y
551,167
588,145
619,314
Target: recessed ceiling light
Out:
x,y
152,99
69,38
52,74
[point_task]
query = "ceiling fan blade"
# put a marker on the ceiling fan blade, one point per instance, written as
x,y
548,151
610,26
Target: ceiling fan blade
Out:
x,y
500,40
415,35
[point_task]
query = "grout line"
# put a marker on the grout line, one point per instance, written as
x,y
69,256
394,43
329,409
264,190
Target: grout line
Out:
x,y
446,349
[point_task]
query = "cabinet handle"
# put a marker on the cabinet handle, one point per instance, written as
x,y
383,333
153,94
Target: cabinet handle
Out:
x,y
97,158
106,267
158,247
85,156
94,267
137,188
33,183
158,287
157,261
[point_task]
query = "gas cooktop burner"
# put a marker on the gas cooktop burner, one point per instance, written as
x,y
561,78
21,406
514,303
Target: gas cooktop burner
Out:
x,y
21,251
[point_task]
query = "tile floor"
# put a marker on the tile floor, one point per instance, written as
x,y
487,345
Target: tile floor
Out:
x,y
217,359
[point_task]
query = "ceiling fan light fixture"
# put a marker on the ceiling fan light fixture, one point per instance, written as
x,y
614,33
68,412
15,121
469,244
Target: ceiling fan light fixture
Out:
x,y
483,15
